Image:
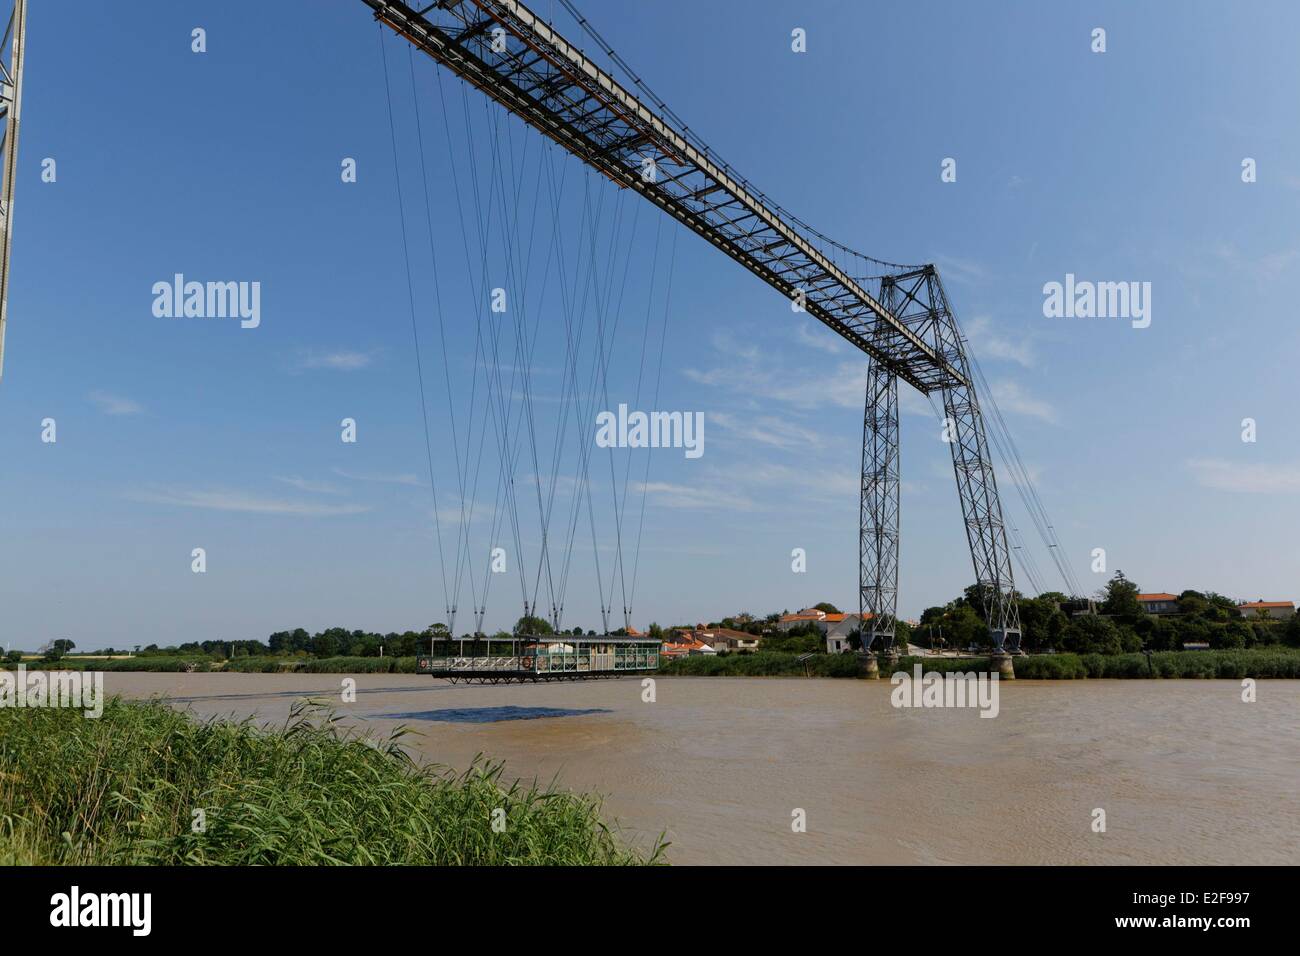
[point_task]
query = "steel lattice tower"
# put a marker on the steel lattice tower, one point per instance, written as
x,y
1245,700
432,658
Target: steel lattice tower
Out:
x,y
906,329
917,298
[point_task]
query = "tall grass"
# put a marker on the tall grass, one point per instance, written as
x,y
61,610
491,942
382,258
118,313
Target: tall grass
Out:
x,y
123,790
763,664
162,664
323,665
1257,662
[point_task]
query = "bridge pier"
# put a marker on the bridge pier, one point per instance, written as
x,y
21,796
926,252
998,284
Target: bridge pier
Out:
x,y
875,660
1000,663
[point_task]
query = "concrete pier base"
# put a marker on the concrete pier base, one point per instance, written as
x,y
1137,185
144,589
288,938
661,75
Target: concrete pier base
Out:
x,y
1001,665
873,668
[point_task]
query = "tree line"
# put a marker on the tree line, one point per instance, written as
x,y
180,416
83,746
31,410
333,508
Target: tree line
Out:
x,y
1114,622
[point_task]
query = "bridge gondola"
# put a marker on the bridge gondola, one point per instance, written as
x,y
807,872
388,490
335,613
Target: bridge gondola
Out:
x,y
539,657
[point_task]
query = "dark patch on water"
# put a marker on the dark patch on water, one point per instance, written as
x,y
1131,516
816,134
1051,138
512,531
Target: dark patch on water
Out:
x,y
488,715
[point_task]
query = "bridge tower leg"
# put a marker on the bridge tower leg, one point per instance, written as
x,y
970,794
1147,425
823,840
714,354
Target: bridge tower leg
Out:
x,y
11,101
878,514
976,484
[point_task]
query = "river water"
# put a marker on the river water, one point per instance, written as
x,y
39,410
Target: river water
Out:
x,y
1185,771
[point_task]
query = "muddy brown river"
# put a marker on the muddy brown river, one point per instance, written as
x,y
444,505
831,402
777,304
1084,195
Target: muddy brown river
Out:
x,y
1185,771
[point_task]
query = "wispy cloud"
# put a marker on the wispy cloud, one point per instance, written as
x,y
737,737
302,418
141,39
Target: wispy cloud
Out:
x,y
667,495
390,479
340,361
1011,396
226,500
306,484
819,337
1260,479
843,384
804,483
769,430
840,384
111,404
1264,267
987,343
961,270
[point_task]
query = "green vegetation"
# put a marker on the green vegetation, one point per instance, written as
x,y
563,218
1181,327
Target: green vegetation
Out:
x,y
763,664
123,790
163,664
1120,626
1271,662
239,665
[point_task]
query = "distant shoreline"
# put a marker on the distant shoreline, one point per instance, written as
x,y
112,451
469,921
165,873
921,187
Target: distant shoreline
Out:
x,y
1270,662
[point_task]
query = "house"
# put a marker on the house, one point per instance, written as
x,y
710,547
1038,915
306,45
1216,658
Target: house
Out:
x,y
1273,610
1158,603
830,620
837,633
684,644
809,615
727,639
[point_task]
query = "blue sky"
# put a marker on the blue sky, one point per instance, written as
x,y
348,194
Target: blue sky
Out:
x,y
182,433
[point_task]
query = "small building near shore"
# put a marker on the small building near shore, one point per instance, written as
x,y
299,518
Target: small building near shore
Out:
x,y
1160,603
809,615
728,639
837,634
685,644
1272,610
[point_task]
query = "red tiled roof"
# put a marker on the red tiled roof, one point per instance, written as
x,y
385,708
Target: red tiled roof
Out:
x,y
729,632
1157,597
1263,604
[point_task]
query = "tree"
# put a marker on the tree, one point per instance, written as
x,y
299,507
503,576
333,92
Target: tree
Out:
x,y
1291,636
1119,599
1232,634
325,644
1041,621
63,646
1090,634
14,656
902,635
957,623
963,626
827,607
529,624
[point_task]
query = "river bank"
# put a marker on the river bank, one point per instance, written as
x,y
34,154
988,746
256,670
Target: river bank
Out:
x,y
1272,662
1258,663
